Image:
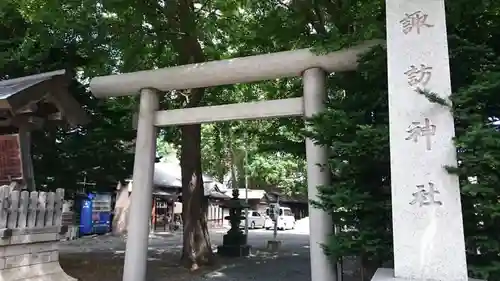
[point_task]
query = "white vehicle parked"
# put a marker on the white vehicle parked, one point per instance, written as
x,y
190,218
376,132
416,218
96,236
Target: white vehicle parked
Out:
x,y
286,219
255,220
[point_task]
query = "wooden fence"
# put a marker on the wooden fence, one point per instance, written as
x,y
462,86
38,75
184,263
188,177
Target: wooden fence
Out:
x,y
215,216
23,209
30,231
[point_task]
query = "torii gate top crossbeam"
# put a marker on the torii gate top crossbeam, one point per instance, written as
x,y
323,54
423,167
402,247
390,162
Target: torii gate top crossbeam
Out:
x,y
230,71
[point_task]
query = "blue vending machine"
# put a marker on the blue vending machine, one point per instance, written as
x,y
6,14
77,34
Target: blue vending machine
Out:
x,y
85,204
101,213
95,213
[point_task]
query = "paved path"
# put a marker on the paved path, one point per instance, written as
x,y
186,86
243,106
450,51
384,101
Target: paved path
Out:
x,y
292,239
283,267
290,264
173,241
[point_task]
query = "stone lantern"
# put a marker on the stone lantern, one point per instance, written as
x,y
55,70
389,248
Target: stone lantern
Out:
x,y
234,243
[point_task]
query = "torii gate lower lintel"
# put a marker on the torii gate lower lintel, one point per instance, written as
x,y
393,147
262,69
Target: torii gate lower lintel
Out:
x,y
313,69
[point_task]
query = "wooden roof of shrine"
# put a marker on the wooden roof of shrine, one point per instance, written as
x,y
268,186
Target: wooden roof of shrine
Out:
x,y
272,196
36,99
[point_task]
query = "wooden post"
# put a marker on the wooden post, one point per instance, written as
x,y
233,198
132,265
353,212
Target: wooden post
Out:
x,y
4,205
51,200
42,208
26,160
59,199
23,209
32,209
13,209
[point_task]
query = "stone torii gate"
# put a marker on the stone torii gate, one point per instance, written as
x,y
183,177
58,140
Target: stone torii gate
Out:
x,y
426,209
303,63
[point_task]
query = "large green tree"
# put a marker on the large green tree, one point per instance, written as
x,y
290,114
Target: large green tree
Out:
x,y
31,44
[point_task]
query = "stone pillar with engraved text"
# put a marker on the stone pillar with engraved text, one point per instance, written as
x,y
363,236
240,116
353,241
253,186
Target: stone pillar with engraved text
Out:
x,y
427,214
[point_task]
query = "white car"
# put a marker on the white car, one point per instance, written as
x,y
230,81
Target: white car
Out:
x,y
255,220
286,219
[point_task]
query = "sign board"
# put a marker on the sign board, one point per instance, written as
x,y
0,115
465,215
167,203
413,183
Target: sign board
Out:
x,y
177,208
10,159
274,210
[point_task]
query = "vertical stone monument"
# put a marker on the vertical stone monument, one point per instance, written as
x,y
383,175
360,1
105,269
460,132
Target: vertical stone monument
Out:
x,y
427,213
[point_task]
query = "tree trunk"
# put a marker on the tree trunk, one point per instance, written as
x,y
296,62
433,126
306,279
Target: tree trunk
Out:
x,y
368,267
197,249
240,167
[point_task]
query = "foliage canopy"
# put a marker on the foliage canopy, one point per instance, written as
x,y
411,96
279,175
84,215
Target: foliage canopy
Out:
x,y
102,37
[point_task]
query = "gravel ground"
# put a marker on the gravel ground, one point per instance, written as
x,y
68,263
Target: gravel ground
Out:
x,y
101,258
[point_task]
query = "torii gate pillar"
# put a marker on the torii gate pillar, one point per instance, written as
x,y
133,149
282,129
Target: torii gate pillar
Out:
x,y
136,255
320,223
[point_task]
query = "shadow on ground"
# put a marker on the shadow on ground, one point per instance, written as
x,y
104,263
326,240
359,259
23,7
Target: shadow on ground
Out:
x,y
263,266
109,267
266,266
165,267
